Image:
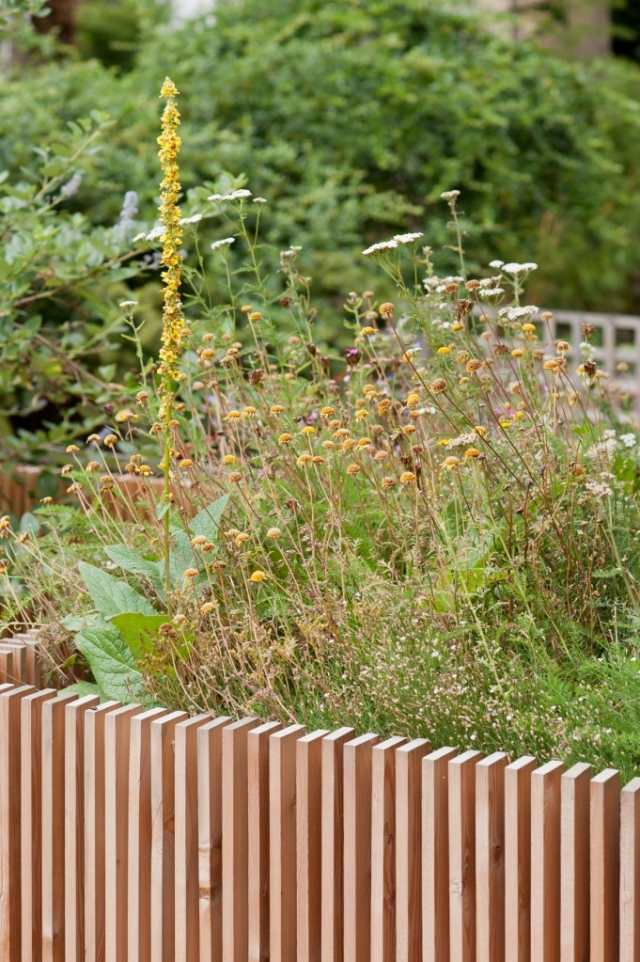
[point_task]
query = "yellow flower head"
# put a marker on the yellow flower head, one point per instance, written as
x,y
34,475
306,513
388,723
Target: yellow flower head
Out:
x,y
257,577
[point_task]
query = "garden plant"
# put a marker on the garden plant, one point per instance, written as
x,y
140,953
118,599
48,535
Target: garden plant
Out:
x,y
431,530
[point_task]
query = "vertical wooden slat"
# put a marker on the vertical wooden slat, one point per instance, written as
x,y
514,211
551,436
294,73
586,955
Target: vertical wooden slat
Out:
x,y
309,843
383,849
258,839
74,826
282,839
545,862
462,927
357,847
435,855
332,853
517,858
187,935
10,813
574,864
604,861
235,841
31,823
94,829
53,827
117,728
490,831
161,748
210,839
409,850
630,872
139,862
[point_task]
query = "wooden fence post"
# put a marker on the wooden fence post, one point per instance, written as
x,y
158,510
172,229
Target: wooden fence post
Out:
x,y
332,841
235,942
409,849
604,862
630,872
282,838
545,862
94,830
258,839
209,740
309,843
490,830
462,883
74,827
383,849
31,823
574,864
162,754
10,811
435,855
187,934
139,834
357,847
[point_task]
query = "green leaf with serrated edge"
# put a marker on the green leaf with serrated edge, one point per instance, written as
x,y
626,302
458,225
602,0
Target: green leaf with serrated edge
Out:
x,y
207,521
111,596
111,661
82,688
138,630
131,561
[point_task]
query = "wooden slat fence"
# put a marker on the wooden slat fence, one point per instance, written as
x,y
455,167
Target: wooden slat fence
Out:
x,y
131,835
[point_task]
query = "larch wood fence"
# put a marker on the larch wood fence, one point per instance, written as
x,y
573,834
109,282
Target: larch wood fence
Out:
x,y
131,835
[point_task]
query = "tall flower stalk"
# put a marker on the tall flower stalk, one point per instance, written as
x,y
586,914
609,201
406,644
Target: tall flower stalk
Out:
x,y
174,327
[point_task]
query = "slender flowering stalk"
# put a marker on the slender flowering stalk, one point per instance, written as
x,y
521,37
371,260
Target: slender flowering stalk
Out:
x,y
174,327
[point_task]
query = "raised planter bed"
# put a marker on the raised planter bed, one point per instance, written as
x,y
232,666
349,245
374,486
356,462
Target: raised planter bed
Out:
x,y
162,836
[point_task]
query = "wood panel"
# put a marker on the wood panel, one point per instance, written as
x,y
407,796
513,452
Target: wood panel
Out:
x,y
258,838
574,864
309,844
490,830
209,740
517,858
357,847
545,862
435,855
462,888
332,840
604,860
383,849
630,872
409,849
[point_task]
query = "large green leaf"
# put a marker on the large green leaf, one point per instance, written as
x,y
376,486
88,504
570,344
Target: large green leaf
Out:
x,y
131,561
111,662
139,630
207,521
110,595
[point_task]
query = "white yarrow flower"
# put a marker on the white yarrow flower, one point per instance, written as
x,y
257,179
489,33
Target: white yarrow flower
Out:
x,y
239,194
450,195
191,220
223,242
496,265
126,304
380,246
408,238
155,232
514,268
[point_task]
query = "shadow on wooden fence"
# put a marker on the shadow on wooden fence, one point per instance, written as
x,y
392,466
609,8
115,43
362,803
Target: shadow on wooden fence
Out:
x,y
129,835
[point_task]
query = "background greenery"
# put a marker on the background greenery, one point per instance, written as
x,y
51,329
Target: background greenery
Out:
x,y
351,118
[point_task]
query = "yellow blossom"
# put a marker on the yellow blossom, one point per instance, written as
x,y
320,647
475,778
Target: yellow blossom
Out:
x,y
276,409
304,459
472,453
274,533
327,411
125,415
257,576
407,477
285,438
388,483
229,459
445,349
450,463
362,415
353,468
208,607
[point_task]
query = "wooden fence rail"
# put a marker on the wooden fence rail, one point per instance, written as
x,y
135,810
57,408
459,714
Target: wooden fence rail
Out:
x,y
133,835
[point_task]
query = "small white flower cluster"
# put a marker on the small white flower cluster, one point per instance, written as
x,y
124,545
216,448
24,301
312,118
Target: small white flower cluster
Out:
x,y
463,440
450,196
241,193
598,488
527,312
193,219
513,267
439,285
223,242
396,241
628,440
